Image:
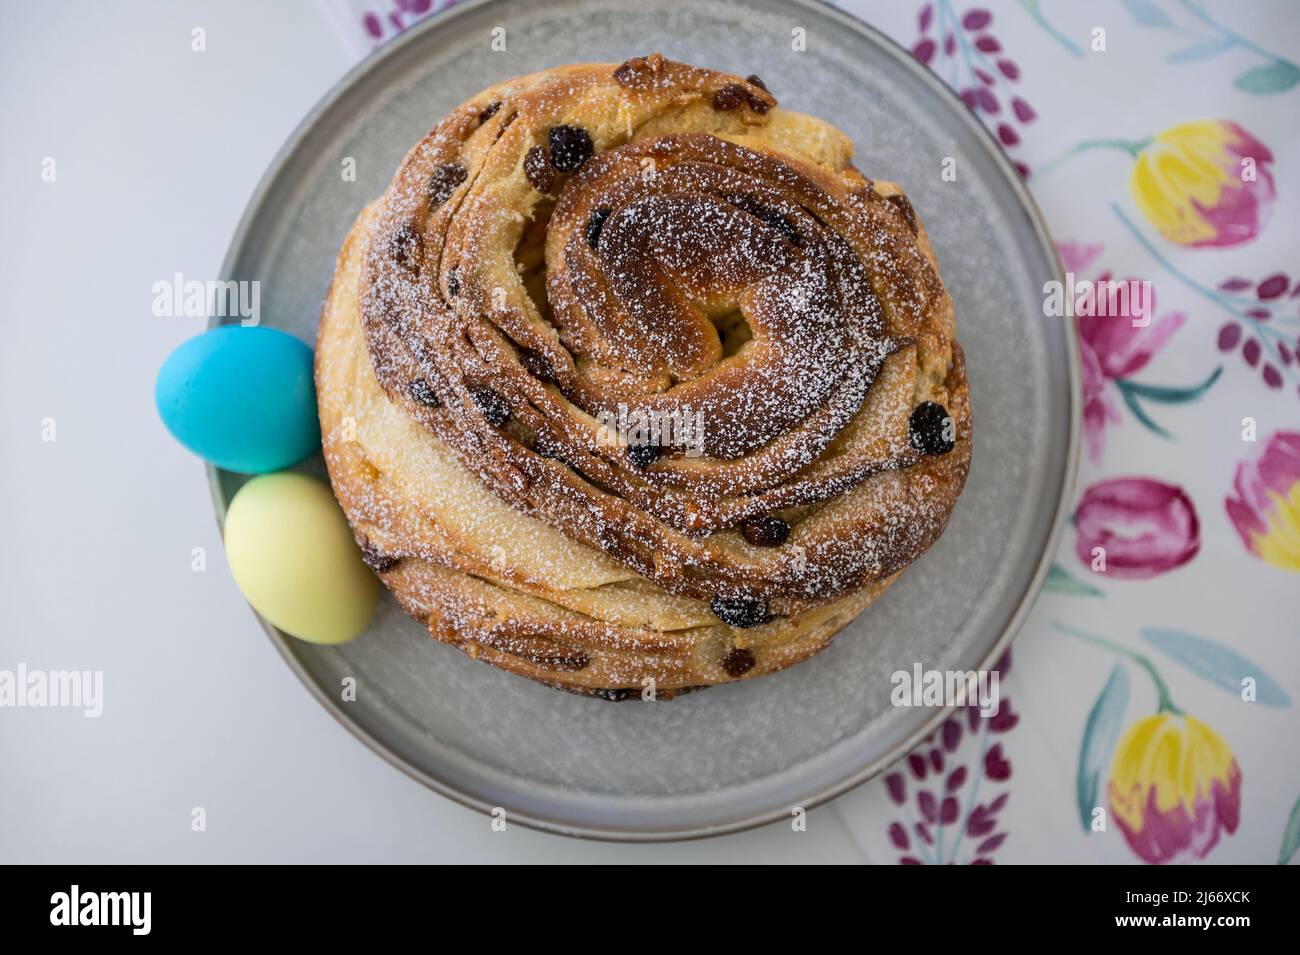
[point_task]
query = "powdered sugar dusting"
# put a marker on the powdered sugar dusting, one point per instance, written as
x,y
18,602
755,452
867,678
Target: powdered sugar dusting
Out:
x,y
653,246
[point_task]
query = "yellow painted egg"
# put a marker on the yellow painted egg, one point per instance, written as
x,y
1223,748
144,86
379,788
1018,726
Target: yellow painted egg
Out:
x,y
295,560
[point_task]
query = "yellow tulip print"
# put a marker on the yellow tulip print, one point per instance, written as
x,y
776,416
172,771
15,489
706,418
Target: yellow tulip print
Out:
x,y
1265,504
1173,783
1204,183
1174,788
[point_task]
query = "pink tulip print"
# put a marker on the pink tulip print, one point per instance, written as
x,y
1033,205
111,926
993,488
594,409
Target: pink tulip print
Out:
x,y
1133,528
1113,349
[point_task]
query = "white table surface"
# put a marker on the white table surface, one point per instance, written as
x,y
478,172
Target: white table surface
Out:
x,y
157,150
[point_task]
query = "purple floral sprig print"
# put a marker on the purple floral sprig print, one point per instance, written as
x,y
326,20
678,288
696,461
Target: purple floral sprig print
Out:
x,y
385,22
963,50
1268,339
938,788
1266,300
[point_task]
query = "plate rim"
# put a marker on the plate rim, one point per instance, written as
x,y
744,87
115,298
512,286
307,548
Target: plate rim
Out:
x,y
863,773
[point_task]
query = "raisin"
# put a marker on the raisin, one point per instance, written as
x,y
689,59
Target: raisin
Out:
x,y
625,73
928,428
443,182
731,96
734,96
494,408
571,146
405,246
595,224
738,662
903,206
538,365
740,612
376,560
421,391
768,216
640,72
538,171
544,446
764,530
643,455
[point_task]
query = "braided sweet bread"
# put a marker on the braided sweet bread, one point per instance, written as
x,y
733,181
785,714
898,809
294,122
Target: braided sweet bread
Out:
x,y
631,376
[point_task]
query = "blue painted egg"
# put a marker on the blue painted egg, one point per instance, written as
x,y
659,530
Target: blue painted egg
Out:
x,y
241,398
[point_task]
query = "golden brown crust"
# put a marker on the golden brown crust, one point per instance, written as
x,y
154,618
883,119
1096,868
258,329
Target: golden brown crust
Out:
x,y
681,250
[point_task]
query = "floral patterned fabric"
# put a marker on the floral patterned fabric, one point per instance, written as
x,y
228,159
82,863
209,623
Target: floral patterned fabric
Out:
x,y
1167,156
1160,140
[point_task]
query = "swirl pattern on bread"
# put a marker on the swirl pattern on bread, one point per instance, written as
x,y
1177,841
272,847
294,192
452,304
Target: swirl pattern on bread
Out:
x,y
631,377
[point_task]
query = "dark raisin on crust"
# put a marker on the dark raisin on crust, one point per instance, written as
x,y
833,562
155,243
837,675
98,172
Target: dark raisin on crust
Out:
x,y
595,224
421,391
754,80
494,408
734,96
537,169
740,612
731,96
489,111
617,695
903,206
640,72
625,73
405,246
767,215
738,661
643,455
538,365
764,530
453,280
570,147
376,560
928,427
544,446
615,544
443,182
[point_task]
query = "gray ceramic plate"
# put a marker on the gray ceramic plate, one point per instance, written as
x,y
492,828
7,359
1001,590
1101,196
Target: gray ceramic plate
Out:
x,y
739,755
